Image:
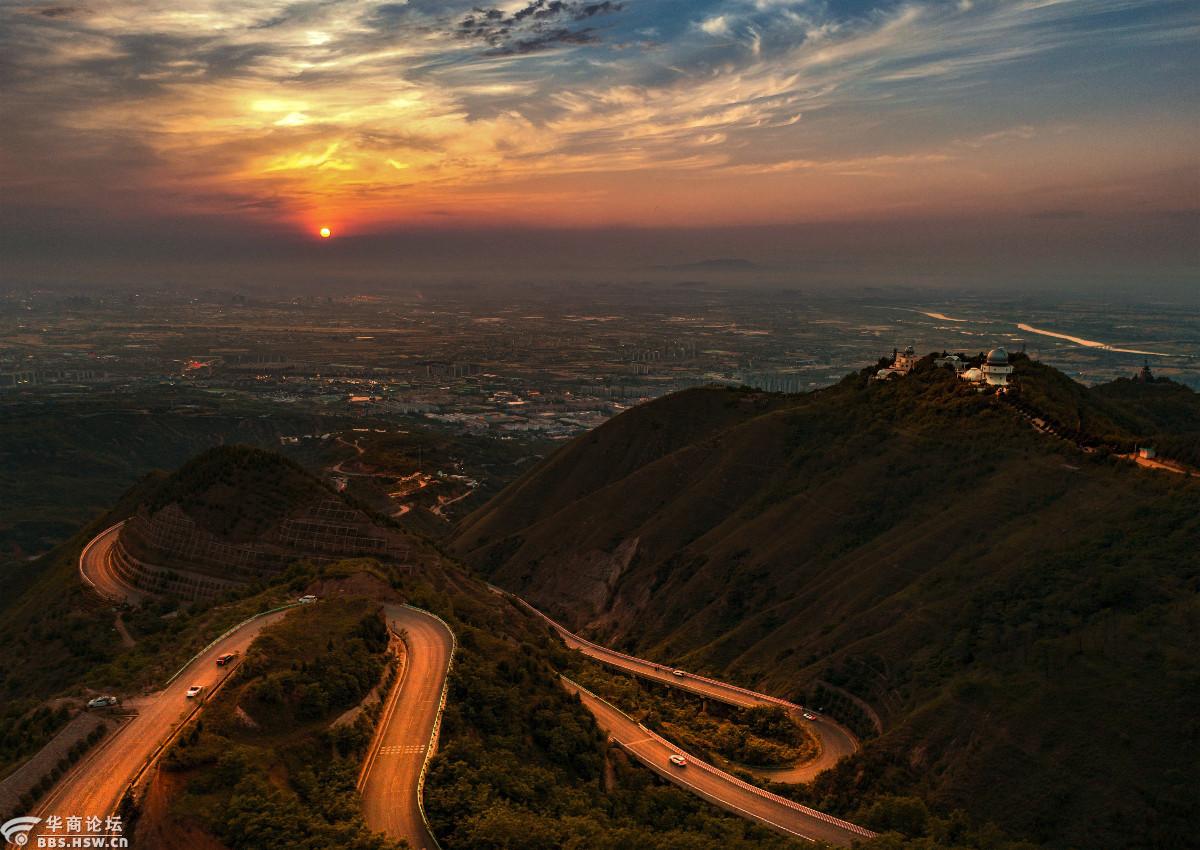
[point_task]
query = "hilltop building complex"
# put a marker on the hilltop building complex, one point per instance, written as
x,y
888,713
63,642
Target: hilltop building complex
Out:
x,y
993,372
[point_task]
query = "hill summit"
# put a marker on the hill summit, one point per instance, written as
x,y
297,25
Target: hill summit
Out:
x,y
236,514
1004,608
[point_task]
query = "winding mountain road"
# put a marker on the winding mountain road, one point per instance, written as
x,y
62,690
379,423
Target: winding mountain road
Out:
x,y
836,740
393,777
96,785
97,570
407,734
713,784
392,781
706,780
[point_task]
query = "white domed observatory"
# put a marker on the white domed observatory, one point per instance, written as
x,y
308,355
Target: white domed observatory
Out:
x,y
996,368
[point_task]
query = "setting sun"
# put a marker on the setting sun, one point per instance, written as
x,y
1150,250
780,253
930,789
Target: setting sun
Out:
x,y
325,232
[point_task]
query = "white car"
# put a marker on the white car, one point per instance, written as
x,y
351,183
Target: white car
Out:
x,y
195,691
678,673
307,599
808,715
102,702
678,760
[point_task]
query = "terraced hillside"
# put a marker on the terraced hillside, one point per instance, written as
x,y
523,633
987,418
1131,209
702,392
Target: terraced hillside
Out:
x,y
236,514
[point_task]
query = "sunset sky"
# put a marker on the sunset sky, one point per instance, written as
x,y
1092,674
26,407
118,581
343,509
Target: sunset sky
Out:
x,y
130,121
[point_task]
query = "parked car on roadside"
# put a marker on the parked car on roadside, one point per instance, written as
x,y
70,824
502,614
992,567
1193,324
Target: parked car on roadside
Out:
x,y
102,702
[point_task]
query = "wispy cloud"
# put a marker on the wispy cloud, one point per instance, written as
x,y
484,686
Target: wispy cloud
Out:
x,y
383,108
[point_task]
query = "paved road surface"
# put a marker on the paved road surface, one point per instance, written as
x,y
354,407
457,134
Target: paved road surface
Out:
x,y
96,569
390,793
716,786
96,787
836,740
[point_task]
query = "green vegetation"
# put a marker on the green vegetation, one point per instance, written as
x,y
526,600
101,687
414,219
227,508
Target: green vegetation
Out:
x,y
905,823
522,765
1121,415
238,492
765,736
73,634
264,767
25,727
1022,615
120,436
839,703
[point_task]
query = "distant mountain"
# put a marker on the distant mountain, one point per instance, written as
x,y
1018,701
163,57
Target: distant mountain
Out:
x,y
717,264
1020,615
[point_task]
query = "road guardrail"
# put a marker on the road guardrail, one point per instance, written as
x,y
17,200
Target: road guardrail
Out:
x,y
437,722
663,668
224,635
716,771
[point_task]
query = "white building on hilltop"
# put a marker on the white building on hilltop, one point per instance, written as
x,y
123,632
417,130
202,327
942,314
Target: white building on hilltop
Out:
x,y
993,372
996,368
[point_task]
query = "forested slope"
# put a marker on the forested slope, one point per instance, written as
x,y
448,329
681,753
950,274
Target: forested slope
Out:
x,y
1021,614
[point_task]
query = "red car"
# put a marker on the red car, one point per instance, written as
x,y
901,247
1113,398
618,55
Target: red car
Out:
x,y
222,660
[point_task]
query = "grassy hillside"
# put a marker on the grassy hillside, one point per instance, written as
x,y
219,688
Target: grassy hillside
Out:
x,y
47,614
1121,415
1022,615
238,492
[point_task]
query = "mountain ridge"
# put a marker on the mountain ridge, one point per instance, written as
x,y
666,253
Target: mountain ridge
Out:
x,y
912,542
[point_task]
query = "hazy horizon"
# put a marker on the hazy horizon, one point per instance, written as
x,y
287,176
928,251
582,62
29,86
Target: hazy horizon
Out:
x,y
1110,257
969,143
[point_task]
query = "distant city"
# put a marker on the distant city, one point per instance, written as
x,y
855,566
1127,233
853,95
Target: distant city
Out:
x,y
549,364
